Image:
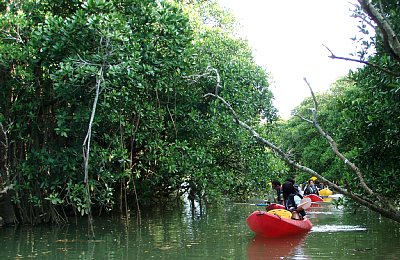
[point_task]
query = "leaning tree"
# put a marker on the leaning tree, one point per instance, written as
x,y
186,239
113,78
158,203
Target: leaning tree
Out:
x,y
381,67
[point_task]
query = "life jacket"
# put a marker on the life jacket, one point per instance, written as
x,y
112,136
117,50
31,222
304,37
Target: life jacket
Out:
x,y
290,203
310,190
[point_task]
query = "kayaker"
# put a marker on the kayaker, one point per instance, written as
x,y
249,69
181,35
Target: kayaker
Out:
x,y
311,188
295,185
319,185
285,190
276,185
292,200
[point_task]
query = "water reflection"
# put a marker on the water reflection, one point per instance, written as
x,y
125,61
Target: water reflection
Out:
x,y
206,233
275,248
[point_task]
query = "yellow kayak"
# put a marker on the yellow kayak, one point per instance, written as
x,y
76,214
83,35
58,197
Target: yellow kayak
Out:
x,y
325,192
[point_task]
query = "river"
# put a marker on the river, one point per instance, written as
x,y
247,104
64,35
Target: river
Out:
x,y
212,233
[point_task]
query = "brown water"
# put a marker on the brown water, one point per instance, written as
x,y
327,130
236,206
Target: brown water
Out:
x,y
213,233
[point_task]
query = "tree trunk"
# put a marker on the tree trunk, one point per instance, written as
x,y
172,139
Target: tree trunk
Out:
x,y
7,210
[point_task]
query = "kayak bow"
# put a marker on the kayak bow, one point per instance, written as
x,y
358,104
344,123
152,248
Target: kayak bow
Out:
x,y
314,197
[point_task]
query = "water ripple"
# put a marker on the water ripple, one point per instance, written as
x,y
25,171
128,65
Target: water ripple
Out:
x,y
337,228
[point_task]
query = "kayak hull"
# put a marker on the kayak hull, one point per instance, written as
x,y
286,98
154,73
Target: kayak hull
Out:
x,y
314,198
269,225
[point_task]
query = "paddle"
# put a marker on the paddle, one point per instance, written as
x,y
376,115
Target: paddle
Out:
x,y
253,204
305,203
259,202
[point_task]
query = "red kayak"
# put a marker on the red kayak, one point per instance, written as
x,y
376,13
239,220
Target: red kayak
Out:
x,y
314,197
270,225
275,206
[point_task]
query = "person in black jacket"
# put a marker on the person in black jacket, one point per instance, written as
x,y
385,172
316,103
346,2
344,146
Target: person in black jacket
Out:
x,y
311,188
292,199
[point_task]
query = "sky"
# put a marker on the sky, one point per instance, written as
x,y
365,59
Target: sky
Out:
x,y
287,38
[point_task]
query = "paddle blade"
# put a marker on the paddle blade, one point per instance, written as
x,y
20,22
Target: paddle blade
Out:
x,y
305,203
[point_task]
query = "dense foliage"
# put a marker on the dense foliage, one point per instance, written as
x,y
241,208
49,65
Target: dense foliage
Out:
x,y
153,134
126,81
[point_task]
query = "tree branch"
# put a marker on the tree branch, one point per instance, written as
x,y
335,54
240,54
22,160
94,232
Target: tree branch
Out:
x,y
389,36
4,166
333,56
385,211
335,149
208,72
86,142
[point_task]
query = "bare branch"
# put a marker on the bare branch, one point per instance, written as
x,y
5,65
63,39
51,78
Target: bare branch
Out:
x,y
386,210
335,149
86,148
312,94
304,119
208,72
333,56
277,151
86,142
4,165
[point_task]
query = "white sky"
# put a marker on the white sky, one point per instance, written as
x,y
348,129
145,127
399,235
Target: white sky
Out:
x,y
287,38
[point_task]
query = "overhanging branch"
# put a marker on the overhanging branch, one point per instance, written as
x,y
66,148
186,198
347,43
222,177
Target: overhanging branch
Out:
x,y
335,149
384,207
333,56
